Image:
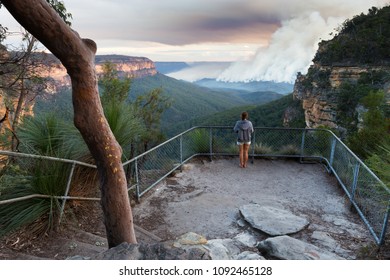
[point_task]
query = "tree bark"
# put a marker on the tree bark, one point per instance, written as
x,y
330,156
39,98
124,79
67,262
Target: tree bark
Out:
x,y
78,57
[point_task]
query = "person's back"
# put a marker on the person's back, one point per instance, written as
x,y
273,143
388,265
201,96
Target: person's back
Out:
x,y
244,130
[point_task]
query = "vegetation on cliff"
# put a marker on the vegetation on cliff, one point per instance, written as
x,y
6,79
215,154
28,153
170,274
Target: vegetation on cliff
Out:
x,y
364,39
270,114
362,107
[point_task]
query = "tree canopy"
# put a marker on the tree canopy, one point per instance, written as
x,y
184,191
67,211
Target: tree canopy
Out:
x,y
364,39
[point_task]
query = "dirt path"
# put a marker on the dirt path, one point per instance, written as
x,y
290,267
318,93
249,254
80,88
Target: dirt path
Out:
x,y
205,199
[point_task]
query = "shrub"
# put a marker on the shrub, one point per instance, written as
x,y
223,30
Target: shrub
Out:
x,y
289,150
18,183
200,140
261,149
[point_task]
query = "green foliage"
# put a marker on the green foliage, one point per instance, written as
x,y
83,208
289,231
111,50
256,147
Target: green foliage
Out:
x,y
270,114
375,126
28,177
42,135
231,149
189,101
24,213
289,149
364,39
374,100
60,8
200,140
380,163
149,108
54,135
317,77
113,88
126,125
137,120
262,149
374,79
350,96
48,135
347,101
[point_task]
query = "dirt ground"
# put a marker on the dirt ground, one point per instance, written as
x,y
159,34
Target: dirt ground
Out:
x,y
204,198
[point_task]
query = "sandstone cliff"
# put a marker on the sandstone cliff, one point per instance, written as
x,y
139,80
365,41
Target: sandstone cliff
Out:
x,y
318,90
53,71
134,67
358,59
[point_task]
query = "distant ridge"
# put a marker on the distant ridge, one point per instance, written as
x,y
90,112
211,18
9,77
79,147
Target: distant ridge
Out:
x,y
169,67
127,66
253,86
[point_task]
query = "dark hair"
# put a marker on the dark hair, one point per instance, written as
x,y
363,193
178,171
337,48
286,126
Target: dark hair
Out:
x,y
244,115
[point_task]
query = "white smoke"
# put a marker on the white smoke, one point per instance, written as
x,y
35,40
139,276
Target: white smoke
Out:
x,y
200,71
291,50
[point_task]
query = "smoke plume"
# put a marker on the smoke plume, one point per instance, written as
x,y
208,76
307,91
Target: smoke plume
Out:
x,y
291,49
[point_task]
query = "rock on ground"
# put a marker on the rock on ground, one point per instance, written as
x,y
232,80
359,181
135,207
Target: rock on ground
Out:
x,y
158,251
271,220
288,248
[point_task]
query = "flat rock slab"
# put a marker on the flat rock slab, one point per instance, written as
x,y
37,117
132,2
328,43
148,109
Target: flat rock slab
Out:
x,y
288,248
273,221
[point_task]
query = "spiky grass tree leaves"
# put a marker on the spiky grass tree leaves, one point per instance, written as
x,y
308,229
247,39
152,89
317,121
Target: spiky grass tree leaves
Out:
x,y
38,213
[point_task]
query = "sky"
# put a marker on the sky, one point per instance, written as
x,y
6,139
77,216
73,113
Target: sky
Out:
x,y
263,40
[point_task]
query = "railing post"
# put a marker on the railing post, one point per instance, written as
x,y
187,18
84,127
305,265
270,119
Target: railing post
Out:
x,y
355,180
385,223
181,152
67,191
332,151
303,144
211,144
253,147
136,179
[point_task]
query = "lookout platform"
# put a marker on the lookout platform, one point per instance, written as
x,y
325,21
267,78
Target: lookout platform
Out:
x,y
205,198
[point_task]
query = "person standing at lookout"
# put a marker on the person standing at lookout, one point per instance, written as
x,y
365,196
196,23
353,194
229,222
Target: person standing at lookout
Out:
x,y
244,130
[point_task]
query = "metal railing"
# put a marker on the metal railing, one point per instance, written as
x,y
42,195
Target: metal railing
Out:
x,y
366,192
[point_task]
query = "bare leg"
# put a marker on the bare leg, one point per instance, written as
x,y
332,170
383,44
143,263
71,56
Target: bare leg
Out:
x,y
242,162
245,156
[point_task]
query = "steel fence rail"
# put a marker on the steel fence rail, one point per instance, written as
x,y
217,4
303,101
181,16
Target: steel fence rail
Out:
x,y
17,154
64,197
366,192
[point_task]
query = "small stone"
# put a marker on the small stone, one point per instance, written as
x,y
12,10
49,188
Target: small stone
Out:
x,y
189,238
246,239
246,255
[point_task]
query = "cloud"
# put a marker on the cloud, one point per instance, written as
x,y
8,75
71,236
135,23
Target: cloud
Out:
x,y
286,32
173,22
177,22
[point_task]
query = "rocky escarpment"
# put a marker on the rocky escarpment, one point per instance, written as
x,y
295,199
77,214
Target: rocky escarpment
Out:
x,y
319,90
345,69
135,67
49,68
127,66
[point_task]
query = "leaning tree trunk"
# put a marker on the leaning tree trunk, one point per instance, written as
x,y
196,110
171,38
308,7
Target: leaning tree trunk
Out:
x,y
78,57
